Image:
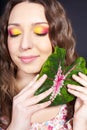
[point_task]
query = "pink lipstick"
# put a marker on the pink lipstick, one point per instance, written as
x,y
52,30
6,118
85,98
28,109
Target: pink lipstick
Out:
x,y
28,59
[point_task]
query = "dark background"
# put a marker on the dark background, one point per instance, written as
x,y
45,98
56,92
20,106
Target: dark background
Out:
x,y
77,12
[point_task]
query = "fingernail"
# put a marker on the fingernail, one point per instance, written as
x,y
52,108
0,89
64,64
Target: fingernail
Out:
x,y
44,76
68,85
79,73
49,102
73,75
37,75
51,89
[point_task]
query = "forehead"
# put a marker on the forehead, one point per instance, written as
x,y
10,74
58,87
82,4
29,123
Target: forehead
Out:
x,y
26,12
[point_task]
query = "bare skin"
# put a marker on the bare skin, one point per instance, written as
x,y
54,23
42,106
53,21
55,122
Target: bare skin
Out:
x,y
80,113
25,104
30,106
22,47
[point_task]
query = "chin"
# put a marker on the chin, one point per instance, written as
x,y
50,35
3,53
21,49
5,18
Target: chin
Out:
x,y
34,70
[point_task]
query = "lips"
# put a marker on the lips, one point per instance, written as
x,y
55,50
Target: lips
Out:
x,y
28,59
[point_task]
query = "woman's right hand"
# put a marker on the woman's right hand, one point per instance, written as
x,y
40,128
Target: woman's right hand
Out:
x,y
26,103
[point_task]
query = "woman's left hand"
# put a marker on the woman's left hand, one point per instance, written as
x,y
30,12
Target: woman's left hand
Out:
x,y
80,112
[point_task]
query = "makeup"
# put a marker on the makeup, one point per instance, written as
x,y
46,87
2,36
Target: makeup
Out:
x,y
14,31
40,29
28,59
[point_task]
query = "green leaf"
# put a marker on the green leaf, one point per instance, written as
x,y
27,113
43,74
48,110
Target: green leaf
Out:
x,y
50,67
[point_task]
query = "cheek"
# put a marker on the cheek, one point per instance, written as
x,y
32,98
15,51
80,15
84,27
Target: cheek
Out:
x,y
11,46
45,47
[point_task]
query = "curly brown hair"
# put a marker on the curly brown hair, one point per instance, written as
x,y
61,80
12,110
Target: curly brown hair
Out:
x,y
60,33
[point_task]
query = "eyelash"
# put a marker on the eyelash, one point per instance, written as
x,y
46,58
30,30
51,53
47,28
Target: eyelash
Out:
x,y
13,35
44,34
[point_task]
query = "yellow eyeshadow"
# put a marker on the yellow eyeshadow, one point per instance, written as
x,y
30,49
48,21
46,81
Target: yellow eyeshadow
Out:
x,y
14,31
40,29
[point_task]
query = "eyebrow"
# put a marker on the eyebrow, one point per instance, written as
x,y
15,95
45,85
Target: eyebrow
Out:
x,y
17,24
40,23
13,24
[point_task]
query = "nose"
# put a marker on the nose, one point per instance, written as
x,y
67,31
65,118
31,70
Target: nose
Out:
x,y
26,42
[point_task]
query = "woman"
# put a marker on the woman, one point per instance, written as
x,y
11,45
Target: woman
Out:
x,y
30,30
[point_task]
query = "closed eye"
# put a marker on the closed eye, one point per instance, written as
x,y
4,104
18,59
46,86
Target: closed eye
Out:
x,y
43,34
14,32
41,30
12,35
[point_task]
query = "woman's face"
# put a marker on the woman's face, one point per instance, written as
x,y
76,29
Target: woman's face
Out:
x,y
28,37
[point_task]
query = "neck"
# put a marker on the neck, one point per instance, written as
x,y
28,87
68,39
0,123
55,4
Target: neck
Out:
x,y
23,79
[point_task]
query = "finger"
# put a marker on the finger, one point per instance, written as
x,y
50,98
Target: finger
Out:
x,y
80,80
31,90
78,104
30,84
38,98
83,76
39,82
38,107
82,96
77,88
